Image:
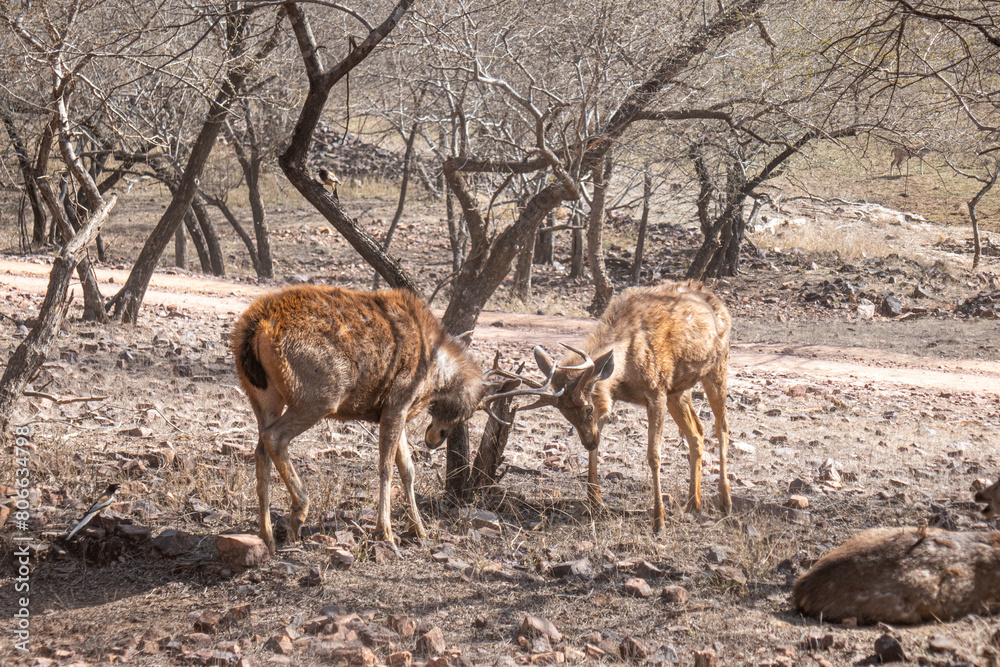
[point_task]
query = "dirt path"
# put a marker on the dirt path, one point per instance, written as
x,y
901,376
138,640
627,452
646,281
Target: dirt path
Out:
x,y
801,363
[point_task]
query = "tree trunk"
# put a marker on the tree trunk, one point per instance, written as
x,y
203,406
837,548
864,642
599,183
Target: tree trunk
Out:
x,y
28,176
545,242
261,258
93,302
29,355
595,241
521,289
228,214
987,186
130,297
577,246
293,160
215,258
180,248
640,243
199,242
494,440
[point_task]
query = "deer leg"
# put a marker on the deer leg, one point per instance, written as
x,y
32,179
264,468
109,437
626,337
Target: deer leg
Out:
x,y
682,410
263,466
656,414
593,483
275,440
715,391
404,464
391,428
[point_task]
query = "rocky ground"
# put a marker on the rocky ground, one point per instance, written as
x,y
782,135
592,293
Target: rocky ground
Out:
x,y
864,391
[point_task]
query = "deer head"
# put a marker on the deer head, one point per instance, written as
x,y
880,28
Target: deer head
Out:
x,y
571,390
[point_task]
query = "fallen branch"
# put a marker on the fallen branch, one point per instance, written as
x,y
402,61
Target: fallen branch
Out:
x,y
60,400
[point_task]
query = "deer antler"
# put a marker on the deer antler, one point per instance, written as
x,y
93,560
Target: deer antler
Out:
x,y
587,361
543,391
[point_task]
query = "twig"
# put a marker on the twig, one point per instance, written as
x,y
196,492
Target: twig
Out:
x,y
60,400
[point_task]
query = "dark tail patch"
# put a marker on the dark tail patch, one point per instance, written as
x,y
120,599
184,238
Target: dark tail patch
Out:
x,y
246,357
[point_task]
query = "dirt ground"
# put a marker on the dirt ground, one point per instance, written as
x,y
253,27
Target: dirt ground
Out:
x,y
878,421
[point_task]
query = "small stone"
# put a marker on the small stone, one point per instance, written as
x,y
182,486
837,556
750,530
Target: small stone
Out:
x,y
355,656
242,550
441,661
432,642
715,555
729,574
279,644
137,432
675,595
633,649
890,306
819,642
479,518
172,542
637,587
550,658
865,311
533,626
706,658
404,626
665,655
400,659
341,558
582,568
944,644
798,502
888,649
375,635
208,622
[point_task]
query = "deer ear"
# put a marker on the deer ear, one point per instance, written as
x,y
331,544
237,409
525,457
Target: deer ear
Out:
x,y
604,366
543,360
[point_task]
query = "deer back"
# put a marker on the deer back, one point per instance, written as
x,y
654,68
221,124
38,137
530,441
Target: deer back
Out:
x,y
357,352
664,338
903,575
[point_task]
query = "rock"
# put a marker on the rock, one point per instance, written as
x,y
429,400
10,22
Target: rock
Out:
x,y
479,518
888,649
235,615
890,306
132,533
675,595
798,502
533,626
729,574
279,644
573,654
353,656
637,587
665,655
137,432
715,555
313,578
944,644
633,649
402,625
333,610
800,486
550,658
828,471
582,568
208,622
865,310
242,550
317,625
172,542
432,642
400,659
706,658
341,558
541,644
375,635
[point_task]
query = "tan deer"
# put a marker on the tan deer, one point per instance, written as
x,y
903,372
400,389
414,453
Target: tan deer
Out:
x,y
651,346
901,154
903,575
307,353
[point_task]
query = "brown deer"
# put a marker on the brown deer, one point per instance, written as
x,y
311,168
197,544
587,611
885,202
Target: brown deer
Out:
x,y
903,575
901,154
651,346
306,353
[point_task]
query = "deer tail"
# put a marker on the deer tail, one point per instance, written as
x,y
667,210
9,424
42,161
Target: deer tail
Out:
x,y
245,351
